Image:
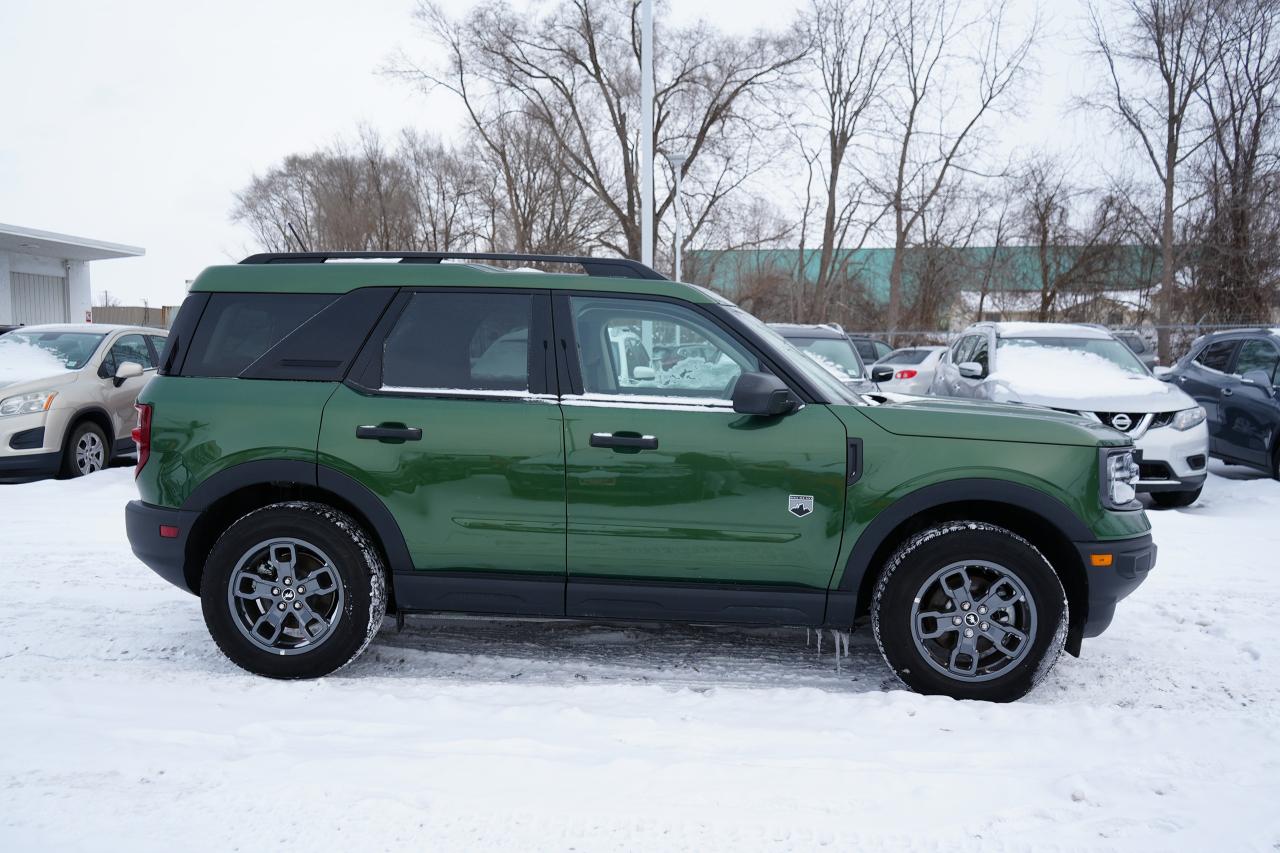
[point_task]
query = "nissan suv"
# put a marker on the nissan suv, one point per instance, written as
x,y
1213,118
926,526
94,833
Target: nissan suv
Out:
x,y
327,443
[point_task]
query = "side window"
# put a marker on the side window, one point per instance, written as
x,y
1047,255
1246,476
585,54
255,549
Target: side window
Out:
x,y
1217,356
1258,355
126,348
979,353
449,341
616,336
963,349
237,328
157,344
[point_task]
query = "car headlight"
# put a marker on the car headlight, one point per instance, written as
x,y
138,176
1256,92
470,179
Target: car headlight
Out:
x,y
25,404
1118,478
1188,418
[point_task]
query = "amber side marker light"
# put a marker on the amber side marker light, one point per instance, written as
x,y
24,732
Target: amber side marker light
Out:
x,y
1100,561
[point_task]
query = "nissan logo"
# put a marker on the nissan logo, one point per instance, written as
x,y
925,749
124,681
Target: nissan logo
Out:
x,y
1121,421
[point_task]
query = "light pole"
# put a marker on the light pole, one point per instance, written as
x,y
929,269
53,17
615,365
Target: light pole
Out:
x,y
646,132
676,162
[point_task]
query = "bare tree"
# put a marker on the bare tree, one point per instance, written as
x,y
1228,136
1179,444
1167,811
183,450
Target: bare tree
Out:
x,y
1237,254
1157,66
575,72
936,122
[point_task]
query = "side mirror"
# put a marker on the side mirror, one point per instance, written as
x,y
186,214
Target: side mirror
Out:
x,y
881,373
643,372
763,394
126,370
1260,379
971,370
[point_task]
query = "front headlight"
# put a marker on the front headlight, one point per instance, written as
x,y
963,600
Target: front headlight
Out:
x,y
1118,479
1188,418
25,404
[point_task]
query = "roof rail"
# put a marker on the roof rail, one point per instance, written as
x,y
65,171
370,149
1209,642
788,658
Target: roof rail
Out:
x,y
612,267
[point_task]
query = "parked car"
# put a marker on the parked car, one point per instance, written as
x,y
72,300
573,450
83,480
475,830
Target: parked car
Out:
x,y
1084,369
67,395
1234,376
870,350
318,450
913,369
1138,345
4,329
829,346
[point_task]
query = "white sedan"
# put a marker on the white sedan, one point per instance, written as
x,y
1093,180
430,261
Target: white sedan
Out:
x,y
913,369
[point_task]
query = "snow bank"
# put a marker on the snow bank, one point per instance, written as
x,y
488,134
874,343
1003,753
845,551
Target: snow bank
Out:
x,y
24,362
1068,374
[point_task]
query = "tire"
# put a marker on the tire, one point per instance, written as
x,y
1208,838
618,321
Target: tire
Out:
x,y
266,559
86,451
1172,500
990,564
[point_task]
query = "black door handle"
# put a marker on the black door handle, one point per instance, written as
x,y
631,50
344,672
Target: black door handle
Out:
x,y
388,432
624,441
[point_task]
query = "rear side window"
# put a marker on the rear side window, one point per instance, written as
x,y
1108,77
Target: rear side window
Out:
x,y
1217,356
460,342
237,328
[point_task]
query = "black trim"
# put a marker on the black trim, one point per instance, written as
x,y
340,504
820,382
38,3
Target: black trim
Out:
x,y
30,465
323,347
738,604
166,557
27,439
1183,484
608,267
854,465
492,593
124,447
1132,560
237,477
180,333
392,434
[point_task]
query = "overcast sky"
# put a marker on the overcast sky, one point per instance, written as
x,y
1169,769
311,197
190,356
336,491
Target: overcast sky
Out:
x,y
136,121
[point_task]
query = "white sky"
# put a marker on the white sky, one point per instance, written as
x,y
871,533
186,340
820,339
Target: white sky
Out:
x,y
135,121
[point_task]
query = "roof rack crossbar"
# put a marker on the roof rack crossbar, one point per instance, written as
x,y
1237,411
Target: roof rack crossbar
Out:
x,y
613,267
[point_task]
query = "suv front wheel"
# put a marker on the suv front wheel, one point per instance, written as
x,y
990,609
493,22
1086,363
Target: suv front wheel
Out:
x,y
293,590
969,610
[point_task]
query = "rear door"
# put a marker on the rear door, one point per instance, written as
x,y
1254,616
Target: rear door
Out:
x,y
677,506
1249,414
448,418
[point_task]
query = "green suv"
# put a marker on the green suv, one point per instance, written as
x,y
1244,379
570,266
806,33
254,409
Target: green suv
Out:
x,y
334,437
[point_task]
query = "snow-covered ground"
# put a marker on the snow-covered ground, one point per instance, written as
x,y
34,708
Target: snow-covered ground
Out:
x,y
121,727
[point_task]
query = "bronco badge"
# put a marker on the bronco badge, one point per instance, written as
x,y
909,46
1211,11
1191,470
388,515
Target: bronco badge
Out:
x,y
800,505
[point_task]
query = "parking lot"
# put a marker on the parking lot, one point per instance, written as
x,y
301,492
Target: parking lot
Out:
x,y
123,720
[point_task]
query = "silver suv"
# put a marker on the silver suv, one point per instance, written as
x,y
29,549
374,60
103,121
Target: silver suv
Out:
x,y
67,395
1086,370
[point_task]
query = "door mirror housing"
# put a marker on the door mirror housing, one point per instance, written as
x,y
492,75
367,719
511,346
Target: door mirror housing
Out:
x,y
971,370
763,394
881,373
126,370
1261,380
643,373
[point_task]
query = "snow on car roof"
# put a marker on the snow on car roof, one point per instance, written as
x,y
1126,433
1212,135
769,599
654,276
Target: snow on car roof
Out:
x,y
1049,330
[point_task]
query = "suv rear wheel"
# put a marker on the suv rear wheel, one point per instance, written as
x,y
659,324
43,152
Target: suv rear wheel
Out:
x,y
293,590
969,610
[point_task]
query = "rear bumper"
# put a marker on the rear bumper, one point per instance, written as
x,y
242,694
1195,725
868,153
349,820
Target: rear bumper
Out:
x,y
164,555
1131,561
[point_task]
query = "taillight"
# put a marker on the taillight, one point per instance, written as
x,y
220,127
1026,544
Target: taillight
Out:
x,y
905,374
142,435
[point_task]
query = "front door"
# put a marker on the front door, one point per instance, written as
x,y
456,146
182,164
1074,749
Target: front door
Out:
x,y
677,505
1204,378
1249,413
120,398
447,419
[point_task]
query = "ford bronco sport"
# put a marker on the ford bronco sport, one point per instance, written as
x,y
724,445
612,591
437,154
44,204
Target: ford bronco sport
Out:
x,y
328,442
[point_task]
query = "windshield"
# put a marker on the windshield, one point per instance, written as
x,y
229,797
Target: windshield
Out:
x,y
69,350
838,352
1112,350
796,359
906,356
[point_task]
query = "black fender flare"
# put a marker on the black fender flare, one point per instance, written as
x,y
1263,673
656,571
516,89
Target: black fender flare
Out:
x,y
264,472
843,599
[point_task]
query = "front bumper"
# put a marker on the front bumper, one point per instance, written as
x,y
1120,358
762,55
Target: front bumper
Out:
x,y
1173,460
1131,561
164,555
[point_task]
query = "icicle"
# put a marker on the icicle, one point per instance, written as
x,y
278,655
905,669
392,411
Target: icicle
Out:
x,y
846,643
819,633
807,640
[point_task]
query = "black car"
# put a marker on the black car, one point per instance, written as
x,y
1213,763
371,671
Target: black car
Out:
x,y
1234,376
871,350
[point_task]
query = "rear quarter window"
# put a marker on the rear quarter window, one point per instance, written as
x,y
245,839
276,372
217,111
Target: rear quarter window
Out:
x,y
237,328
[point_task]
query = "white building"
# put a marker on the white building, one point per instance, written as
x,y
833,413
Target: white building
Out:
x,y
44,277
